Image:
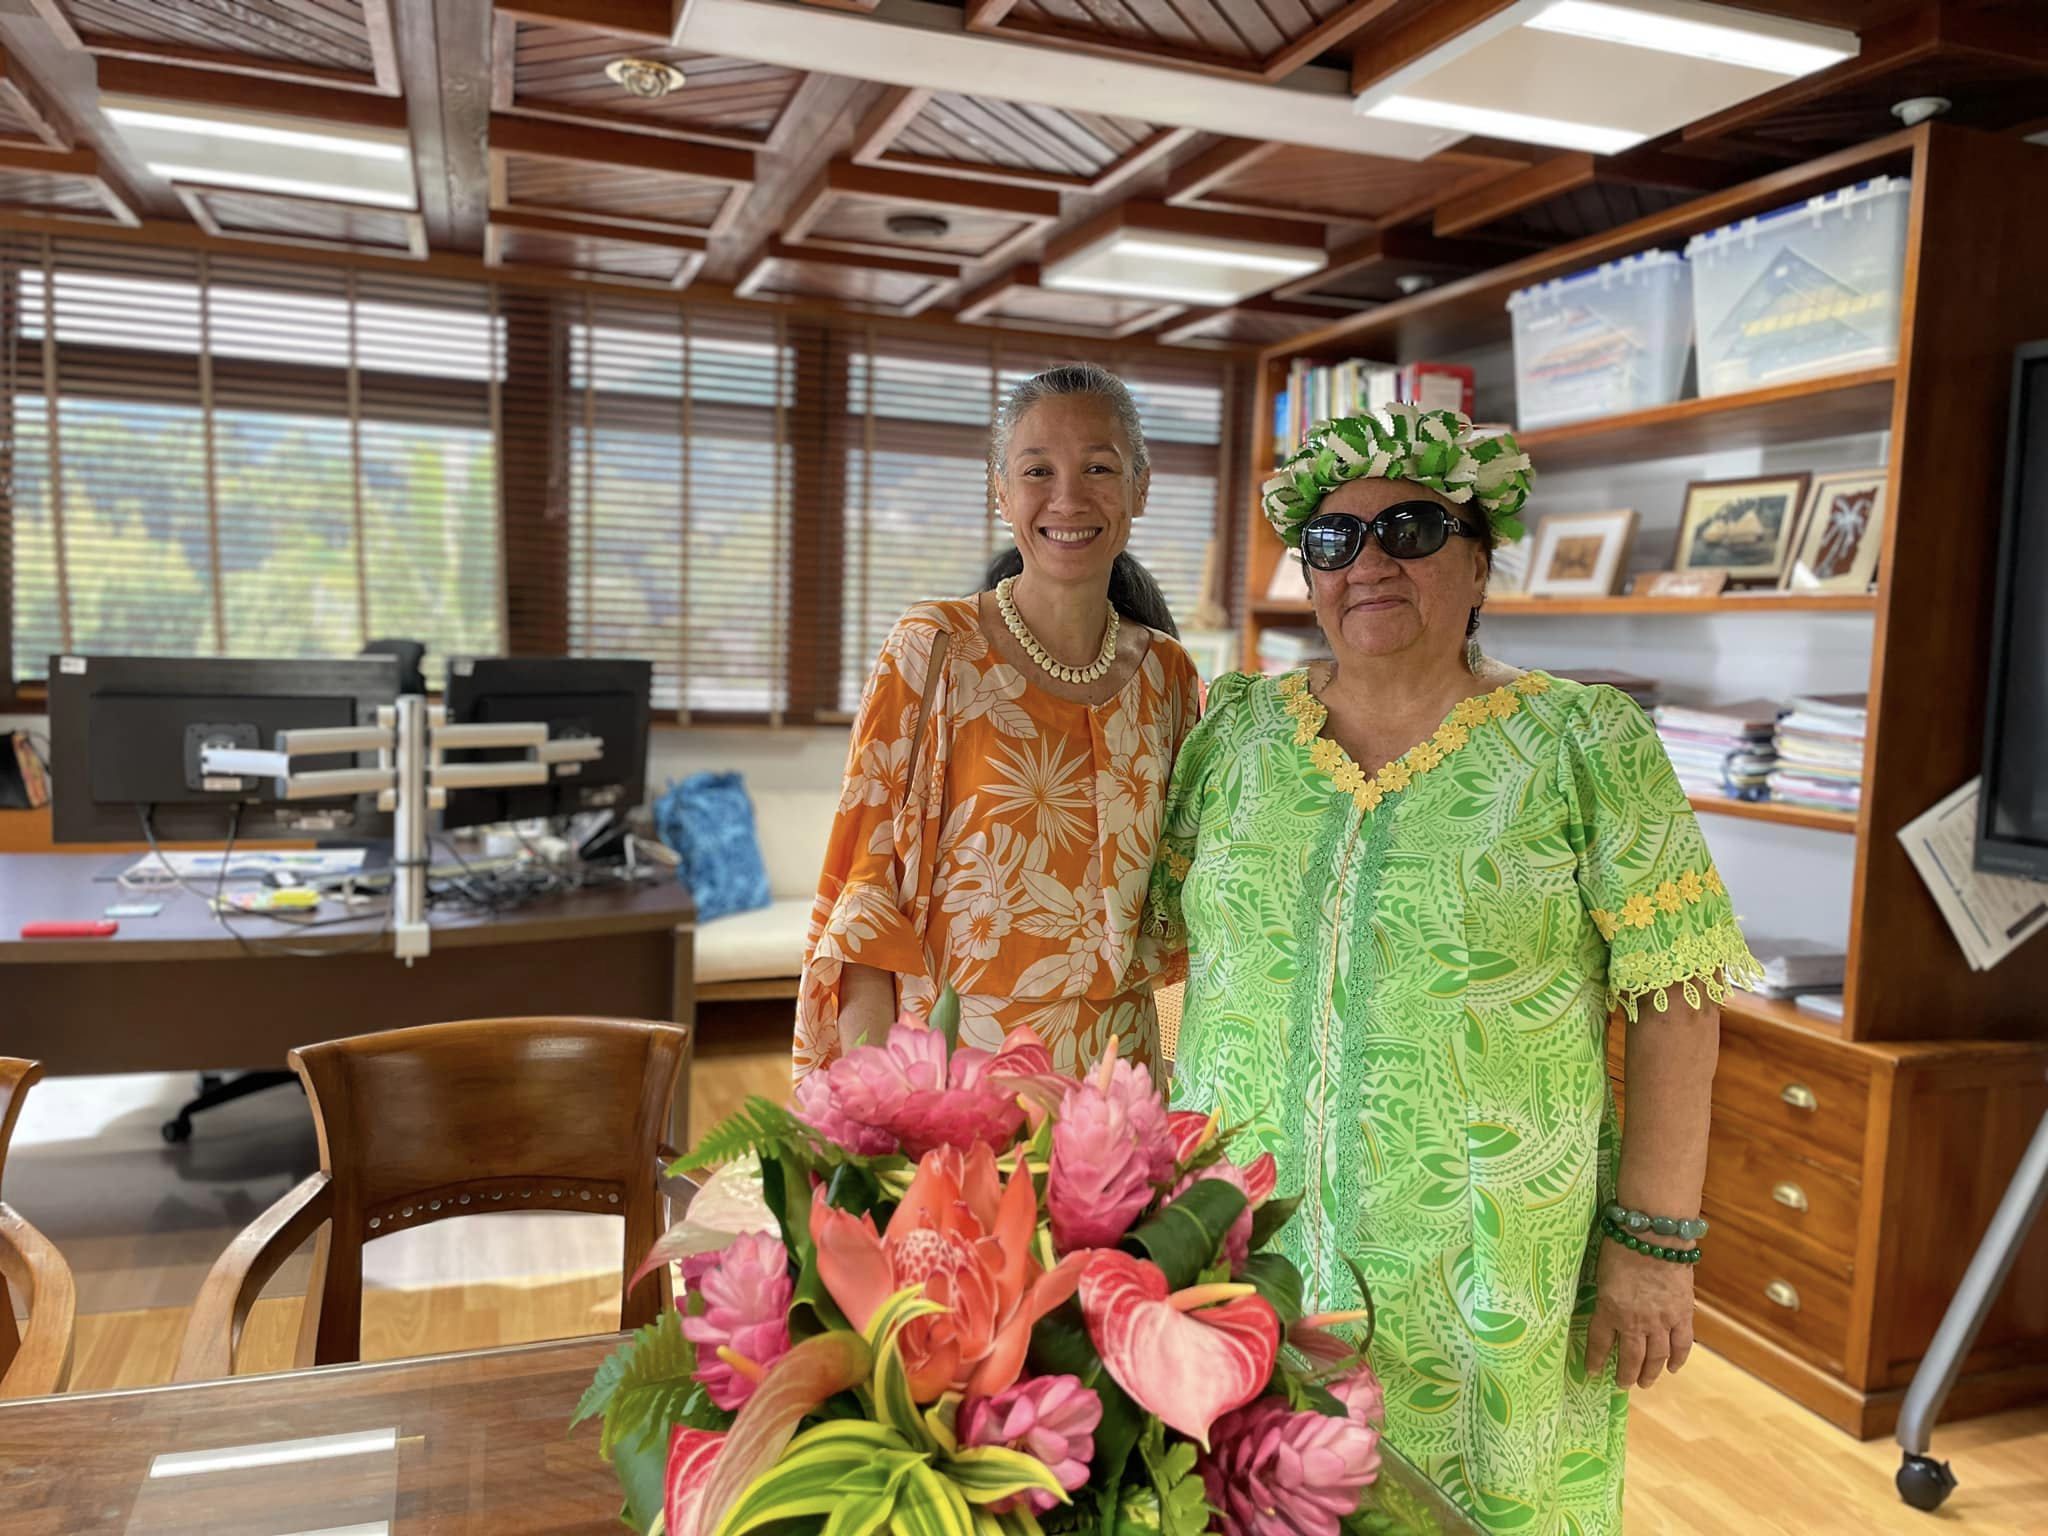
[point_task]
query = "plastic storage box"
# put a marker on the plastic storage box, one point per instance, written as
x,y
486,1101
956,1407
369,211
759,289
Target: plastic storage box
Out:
x,y
1610,339
1807,290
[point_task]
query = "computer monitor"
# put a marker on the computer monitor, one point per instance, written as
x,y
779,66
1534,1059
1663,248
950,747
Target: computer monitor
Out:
x,y
2012,831
601,698
126,734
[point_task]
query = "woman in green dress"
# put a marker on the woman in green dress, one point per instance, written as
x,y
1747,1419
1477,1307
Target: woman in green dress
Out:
x,y
1414,885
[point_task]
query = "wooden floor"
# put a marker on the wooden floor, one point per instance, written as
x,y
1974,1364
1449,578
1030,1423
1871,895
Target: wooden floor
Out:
x,y
1711,1452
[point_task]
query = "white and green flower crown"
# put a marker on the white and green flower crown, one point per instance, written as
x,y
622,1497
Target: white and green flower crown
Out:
x,y
1400,442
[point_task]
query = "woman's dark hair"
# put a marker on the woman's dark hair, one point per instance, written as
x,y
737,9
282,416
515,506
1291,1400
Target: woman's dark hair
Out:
x,y
1489,541
1132,591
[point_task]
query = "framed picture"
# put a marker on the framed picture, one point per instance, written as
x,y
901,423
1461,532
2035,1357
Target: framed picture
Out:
x,y
1580,554
1510,568
1841,534
1744,527
1682,583
1213,651
1289,584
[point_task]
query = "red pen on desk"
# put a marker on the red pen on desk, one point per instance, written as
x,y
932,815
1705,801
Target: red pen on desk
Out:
x,y
98,929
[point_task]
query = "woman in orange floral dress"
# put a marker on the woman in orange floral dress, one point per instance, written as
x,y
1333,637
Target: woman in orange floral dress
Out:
x,y
998,821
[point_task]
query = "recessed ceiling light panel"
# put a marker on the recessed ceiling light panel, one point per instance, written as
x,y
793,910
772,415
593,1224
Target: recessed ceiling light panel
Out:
x,y
1173,267
1601,75
224,147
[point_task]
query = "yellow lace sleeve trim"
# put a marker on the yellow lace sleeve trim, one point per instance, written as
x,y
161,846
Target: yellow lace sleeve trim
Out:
x,y
1707,964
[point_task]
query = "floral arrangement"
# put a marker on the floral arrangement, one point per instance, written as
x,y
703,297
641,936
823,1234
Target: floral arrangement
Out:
x,y
950,1293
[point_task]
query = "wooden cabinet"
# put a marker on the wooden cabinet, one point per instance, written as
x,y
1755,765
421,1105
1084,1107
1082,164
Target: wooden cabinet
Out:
x,y
1848,1185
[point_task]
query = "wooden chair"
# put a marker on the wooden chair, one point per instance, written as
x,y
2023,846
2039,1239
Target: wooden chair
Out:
x,y
37,1362
416,1125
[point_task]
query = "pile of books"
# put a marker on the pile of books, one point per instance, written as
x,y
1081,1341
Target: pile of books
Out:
x,y
1721,749
1820,752
1316,393
1810,975
1282,650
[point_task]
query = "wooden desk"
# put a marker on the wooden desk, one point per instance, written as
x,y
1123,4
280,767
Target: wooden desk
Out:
x,y
177,991
479,1448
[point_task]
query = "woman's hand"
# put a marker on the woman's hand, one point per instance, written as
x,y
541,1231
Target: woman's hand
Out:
x,y
1643,1316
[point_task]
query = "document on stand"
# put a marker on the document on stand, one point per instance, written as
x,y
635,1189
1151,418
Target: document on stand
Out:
x,y
1991,915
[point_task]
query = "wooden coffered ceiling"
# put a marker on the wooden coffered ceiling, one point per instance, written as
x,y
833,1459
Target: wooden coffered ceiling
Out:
x,y
776,183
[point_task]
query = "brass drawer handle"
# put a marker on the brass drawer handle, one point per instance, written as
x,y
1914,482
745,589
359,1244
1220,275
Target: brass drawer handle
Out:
x,y
1789,1195
1783,1294
1799,1096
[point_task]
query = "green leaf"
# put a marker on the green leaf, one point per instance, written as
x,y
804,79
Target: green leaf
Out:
x,y
610,1371
987,1474
945,1017
757,1128
860,1514
890,1385
1372,1319
642,1470
1183,1501
1279,1282
1270,1218
1184,1239
927,1504
648,1385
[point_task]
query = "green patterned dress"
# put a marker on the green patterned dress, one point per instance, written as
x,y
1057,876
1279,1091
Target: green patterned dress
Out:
x,y
1401,984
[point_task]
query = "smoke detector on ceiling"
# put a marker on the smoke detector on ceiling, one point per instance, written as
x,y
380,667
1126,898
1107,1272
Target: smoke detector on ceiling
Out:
x,y
649,79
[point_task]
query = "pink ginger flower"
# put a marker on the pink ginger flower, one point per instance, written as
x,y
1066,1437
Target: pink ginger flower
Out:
x,y
1050,1417
909,1091
818,1107
746,1314
1273,1472
1364,1400
1255,1181
1111,1150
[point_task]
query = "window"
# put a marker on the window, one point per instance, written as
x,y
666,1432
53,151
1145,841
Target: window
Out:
x,y
920,521
224,457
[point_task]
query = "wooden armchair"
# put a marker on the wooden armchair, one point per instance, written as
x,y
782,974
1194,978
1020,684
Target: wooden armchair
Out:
x,y
416,1125
37,1362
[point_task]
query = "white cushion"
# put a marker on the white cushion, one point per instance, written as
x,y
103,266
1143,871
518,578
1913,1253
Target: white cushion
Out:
x,y
793,826
755,946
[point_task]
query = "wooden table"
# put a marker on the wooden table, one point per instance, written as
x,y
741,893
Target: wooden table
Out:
x,y
177,991
477,1446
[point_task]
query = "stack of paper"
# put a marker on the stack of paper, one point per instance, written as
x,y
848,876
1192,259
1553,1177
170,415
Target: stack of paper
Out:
x,y
1820,752
1793,966
1720,749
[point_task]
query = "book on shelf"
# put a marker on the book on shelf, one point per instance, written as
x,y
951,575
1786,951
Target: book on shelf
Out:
x,y
1720,749
1822,1005
1820,752
1317,392
1798,965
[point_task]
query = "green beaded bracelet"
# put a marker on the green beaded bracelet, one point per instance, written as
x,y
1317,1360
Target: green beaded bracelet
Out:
x,y
1691,1228
1620,1234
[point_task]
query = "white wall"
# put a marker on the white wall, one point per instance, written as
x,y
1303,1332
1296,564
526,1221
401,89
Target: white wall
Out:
x,y
797,757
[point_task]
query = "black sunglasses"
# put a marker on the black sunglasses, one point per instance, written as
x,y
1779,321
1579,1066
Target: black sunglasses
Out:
x,y
1408,530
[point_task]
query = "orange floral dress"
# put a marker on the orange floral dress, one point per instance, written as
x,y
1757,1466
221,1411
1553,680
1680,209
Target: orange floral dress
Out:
x,y
1010,858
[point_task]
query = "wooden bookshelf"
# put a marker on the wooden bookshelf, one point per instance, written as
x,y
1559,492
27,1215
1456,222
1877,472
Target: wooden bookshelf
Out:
x,y
1840,405
1770,810
1520,605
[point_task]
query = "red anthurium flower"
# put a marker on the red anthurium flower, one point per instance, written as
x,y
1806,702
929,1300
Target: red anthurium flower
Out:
x,y
691,1454
966,1237
1183,1361
1191,1130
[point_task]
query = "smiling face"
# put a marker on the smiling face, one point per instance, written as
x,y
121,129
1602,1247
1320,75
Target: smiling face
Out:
x,y
1069,491
1380,606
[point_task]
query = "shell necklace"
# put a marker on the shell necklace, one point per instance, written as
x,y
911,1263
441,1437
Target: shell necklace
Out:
x,y
1095,672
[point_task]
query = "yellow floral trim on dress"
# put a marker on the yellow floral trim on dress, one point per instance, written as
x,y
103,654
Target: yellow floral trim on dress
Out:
x,y
1309,713
1708,964
1641,909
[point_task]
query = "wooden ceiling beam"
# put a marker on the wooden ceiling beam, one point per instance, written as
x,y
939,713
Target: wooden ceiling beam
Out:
x,y
1496,200
895,110
71,165
511,134
21,96
1324,36
447,55
648,20
1401,46
250,93
1216,165
218,61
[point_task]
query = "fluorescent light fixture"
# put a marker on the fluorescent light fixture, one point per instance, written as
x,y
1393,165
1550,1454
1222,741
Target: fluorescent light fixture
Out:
x,y
1147,258
258,133
274,1453
1688,34
291,186
1158,293
1518,126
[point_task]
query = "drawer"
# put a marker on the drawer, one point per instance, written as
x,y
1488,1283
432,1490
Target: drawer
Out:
x,y
1815,1094
1763,1283
1754,1179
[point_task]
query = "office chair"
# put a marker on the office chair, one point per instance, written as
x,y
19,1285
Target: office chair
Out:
x,y
35,1361
215,1089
